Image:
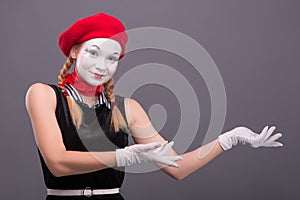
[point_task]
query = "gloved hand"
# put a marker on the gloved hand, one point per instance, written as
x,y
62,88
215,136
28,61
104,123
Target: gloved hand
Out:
x,y
246,136
152,152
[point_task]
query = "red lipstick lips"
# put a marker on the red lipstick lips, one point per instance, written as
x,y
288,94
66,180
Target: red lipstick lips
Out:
x,y
98,76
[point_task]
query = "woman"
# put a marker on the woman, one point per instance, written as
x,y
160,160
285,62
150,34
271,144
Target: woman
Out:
x,y
81,126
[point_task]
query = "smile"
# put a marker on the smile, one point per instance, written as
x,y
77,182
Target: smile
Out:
x,y
97,76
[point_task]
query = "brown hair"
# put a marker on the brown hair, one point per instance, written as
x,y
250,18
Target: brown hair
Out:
x,y
117,120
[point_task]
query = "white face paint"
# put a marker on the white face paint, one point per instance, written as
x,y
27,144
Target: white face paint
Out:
x,y
97,60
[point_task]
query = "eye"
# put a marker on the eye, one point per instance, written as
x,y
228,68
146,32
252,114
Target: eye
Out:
x,y
112,58
93,53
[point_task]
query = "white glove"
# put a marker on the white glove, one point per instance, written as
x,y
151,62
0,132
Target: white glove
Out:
x,y
246,136
152,152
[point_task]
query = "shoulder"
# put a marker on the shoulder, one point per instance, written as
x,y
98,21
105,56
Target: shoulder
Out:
x,y
40,94
129,103
40,91
132,103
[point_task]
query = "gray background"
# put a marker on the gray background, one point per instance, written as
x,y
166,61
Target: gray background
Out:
x,y
255,45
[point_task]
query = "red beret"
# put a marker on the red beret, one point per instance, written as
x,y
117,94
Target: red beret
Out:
x,y
100,25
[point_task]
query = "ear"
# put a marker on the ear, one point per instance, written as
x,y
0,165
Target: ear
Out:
x,y
74,51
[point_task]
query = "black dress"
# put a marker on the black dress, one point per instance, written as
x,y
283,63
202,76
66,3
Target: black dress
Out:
x,y
94,134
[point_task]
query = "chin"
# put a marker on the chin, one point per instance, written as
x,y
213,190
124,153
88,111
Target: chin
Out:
x,y
98,82
93,83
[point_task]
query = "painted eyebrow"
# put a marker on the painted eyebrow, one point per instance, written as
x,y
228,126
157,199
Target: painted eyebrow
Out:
x,y
99,49
96,46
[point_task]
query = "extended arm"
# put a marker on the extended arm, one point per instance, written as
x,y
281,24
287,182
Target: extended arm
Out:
x,y
143,132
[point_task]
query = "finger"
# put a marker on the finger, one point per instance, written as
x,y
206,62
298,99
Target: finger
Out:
x,y
264,131
173,164
169,163
161,150
161,147
175,158
274,144
166,148
165,160
270,131
273,137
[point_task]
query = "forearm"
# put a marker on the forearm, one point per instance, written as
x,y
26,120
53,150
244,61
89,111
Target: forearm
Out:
x,y
191,161
76,162
194,160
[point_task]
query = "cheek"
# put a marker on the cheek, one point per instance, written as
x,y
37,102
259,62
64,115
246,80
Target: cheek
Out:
x,y
112,69
83,61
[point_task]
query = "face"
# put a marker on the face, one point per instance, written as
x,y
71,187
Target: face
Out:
x,y
97,60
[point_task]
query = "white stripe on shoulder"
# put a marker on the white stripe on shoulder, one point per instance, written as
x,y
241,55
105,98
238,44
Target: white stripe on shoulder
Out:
x,y
75,94
71,92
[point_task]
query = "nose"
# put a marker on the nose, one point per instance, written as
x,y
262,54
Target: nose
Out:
x,y
101,65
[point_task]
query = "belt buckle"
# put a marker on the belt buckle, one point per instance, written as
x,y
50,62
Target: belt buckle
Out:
x,y
88,192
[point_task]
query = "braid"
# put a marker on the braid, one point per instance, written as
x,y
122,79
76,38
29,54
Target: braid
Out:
x,y
117,120
75,110
109,90
62,74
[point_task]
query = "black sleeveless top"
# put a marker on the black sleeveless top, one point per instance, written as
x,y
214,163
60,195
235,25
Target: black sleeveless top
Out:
x,y
94,134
